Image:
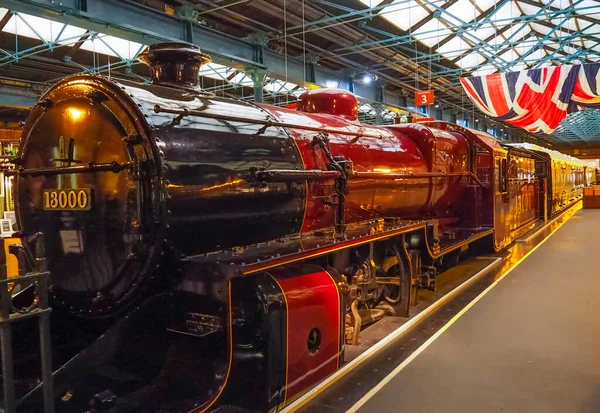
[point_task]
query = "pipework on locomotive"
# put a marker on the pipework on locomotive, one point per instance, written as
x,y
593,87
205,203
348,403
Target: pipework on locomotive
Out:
x,y
202,252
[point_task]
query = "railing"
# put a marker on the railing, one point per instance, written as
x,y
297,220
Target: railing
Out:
x,y
9,315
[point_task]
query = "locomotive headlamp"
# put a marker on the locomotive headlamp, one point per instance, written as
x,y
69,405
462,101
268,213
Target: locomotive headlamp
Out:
x,y
75,113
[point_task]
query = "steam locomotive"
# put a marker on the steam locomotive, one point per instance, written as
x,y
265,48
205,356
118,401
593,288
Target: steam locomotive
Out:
x,y
207,254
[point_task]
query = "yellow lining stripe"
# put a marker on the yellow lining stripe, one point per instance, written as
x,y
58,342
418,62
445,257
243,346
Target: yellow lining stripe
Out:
x,y
287,338
306,186
230,352
339,316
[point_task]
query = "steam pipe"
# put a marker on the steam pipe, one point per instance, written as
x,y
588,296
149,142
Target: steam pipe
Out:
x,y
91,167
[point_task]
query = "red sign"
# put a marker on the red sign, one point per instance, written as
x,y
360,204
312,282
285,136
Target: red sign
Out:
x,y
417,120
424,97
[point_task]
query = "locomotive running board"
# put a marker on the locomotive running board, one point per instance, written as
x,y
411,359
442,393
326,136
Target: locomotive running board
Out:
x,y
261,257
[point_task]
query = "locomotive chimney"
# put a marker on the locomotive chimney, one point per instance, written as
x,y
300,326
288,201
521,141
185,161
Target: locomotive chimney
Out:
x,y
175,64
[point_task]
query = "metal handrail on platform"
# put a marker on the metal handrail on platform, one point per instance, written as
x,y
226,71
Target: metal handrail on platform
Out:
x,y
9,315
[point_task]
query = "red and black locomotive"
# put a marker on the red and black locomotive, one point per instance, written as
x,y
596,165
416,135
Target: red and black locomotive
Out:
x,y
206,252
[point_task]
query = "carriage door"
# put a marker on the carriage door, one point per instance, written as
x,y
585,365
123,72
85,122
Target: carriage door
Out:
x,y
541,173
502,216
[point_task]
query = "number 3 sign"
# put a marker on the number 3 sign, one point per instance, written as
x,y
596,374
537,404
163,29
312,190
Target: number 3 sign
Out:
x,y
424,97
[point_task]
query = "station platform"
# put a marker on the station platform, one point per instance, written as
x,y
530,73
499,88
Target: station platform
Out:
x,y
530,344
525,342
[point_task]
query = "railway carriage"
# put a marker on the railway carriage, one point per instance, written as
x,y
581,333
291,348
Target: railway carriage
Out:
x,y
564,176
205,252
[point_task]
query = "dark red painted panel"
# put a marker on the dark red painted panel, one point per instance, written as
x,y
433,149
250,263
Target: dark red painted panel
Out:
x,y
313,302
366,198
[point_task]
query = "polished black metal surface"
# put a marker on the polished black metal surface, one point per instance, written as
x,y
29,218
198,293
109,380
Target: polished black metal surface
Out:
x,y
97,245
210,203
175,64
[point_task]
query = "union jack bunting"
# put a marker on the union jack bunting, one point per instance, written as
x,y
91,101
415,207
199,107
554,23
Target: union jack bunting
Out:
x,y
537,99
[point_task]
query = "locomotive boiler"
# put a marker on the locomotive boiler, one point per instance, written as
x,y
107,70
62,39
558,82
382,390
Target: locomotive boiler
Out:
x,y
206,252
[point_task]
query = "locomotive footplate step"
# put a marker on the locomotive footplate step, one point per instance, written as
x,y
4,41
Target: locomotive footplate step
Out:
x,y
512,346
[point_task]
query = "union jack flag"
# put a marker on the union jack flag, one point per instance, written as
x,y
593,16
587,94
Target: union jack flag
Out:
x,y
537,99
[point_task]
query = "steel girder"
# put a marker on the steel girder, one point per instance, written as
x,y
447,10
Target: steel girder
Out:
x,y
131,22
18,97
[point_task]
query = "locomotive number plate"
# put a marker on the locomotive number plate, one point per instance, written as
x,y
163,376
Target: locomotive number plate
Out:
x,y
68,199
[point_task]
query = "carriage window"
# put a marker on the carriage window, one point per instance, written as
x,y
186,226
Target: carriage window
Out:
x,y
540,169
497,175
503,176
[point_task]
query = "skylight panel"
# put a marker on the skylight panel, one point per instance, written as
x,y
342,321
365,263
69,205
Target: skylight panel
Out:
x,y
537,55
462,10
509,56
485,4
506,14
241,79
279,86
33,27
47,30
517,31
569,25
592,30
485,70
483,32
96,46
588,12
582,4
70,35
569,50
559,34
215,71
124,48
454,48
529,9
540,29
366,109
112,46
516,68
432,32
371,3
496,41
405,14
470,61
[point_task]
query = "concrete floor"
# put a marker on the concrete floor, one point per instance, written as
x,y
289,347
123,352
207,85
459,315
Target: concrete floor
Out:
x,y
531,345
